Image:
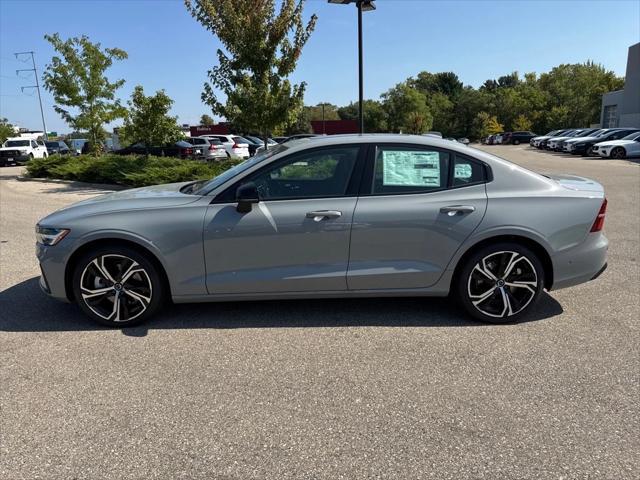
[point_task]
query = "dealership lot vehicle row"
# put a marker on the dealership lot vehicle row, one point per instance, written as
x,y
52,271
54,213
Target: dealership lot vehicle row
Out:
x,y
388,388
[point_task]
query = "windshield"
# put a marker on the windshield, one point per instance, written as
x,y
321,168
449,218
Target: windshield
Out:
x,y
632,136
52,144
16,143
215,182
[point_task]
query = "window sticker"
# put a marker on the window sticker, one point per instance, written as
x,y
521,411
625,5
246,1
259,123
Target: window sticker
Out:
x,y
463,171
411,168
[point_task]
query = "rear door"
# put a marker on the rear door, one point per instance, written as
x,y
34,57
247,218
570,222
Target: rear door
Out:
x,y
419,204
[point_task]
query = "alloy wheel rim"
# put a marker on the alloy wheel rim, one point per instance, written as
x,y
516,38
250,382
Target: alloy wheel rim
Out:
x,y
502,284
116,288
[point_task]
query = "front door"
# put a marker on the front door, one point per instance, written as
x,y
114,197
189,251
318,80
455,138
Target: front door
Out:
x,y
420,204
296,239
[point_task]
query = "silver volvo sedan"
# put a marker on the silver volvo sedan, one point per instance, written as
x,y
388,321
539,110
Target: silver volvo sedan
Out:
x,y
338,216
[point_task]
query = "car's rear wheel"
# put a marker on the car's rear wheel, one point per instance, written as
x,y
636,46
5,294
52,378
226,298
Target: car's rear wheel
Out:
x,y
618,153
117,286
516,142
500,283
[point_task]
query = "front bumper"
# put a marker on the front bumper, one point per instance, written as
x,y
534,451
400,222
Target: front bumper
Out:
x,y
13,160
53,261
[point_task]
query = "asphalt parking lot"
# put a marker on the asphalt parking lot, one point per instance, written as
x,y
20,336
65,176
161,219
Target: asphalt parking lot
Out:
x,y
376,388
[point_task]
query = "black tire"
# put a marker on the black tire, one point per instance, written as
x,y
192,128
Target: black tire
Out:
x,y
516,142
148,285
618,153
494,308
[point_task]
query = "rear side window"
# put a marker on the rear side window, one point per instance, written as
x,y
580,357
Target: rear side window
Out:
x,y
467,172
409,170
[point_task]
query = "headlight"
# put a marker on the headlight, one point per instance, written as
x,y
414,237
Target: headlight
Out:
x,y
50,236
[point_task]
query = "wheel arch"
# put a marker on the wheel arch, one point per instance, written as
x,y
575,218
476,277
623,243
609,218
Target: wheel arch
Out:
x,y
537,248
101,242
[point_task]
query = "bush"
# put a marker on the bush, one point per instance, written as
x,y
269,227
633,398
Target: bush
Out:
x,y
129,170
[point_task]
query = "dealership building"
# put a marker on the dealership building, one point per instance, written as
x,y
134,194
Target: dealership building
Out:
x,y
622,107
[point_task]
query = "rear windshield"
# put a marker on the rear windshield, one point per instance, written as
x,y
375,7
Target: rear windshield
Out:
x,y
240,140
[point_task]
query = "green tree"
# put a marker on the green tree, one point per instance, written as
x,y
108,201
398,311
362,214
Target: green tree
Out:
x,y
522,123
206,120
407,109
375,117
148,120
84,96
6,130
262,50
330,112
446,83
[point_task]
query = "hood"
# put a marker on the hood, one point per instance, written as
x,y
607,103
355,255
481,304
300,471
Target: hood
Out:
x,y
610,143
573,182
157,196
14,148
581,139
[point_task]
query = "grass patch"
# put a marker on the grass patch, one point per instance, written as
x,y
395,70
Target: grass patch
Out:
x,y
128,170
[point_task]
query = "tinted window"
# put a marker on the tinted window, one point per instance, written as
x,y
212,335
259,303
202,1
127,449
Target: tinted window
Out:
x,y
240,140
17,143
467,172
320,173
409,170
52,144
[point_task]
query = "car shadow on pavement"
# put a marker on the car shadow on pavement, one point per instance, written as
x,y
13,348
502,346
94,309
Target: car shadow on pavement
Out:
x,y
26,309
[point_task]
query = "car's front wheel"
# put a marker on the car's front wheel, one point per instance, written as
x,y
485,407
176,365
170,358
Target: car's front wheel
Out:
x,y
500,283
618,153
117,286
516,142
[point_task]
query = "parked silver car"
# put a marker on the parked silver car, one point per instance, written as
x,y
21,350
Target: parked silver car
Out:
x,y
333,216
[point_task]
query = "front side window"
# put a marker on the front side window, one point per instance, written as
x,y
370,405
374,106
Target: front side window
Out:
x,y
316,174
409,170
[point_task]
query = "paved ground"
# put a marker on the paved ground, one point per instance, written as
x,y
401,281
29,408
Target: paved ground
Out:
x,y
323,389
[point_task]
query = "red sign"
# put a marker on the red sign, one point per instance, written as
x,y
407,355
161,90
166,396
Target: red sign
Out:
x,y
219,129
334,127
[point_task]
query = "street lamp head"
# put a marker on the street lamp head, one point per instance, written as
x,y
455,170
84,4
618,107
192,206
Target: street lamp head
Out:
x,y
366,5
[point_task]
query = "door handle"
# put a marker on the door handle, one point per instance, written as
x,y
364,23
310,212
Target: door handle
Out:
x,y
452,210
319,215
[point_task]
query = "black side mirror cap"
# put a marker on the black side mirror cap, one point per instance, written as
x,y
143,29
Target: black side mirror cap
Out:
x,y
246,195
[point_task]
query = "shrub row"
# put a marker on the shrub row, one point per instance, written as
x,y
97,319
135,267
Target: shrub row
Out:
x,y
129,170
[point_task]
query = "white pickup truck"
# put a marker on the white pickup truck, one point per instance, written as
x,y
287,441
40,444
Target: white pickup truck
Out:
x,y
19,150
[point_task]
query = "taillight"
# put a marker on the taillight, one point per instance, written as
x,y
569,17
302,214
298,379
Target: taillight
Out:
x,y
189,151
212,147
235,145
599,223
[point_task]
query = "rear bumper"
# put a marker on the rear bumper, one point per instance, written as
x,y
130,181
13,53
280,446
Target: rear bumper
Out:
x,y
581,263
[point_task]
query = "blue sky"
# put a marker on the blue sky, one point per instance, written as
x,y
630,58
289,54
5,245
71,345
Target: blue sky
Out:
x,y
168,49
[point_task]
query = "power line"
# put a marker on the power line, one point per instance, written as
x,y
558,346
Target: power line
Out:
x,y
36,86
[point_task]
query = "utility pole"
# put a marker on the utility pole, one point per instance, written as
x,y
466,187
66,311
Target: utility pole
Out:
x,y
36,86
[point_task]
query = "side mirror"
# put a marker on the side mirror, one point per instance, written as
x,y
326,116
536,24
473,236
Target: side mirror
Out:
x,y
246,195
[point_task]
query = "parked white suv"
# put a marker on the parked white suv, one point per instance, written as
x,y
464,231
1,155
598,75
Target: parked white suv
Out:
x,y
234,145
19,150
208,148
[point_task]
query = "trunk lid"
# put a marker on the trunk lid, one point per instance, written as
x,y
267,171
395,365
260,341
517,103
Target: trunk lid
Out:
x,y
573,182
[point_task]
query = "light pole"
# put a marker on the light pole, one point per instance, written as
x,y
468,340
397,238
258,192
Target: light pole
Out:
x,y
363,6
